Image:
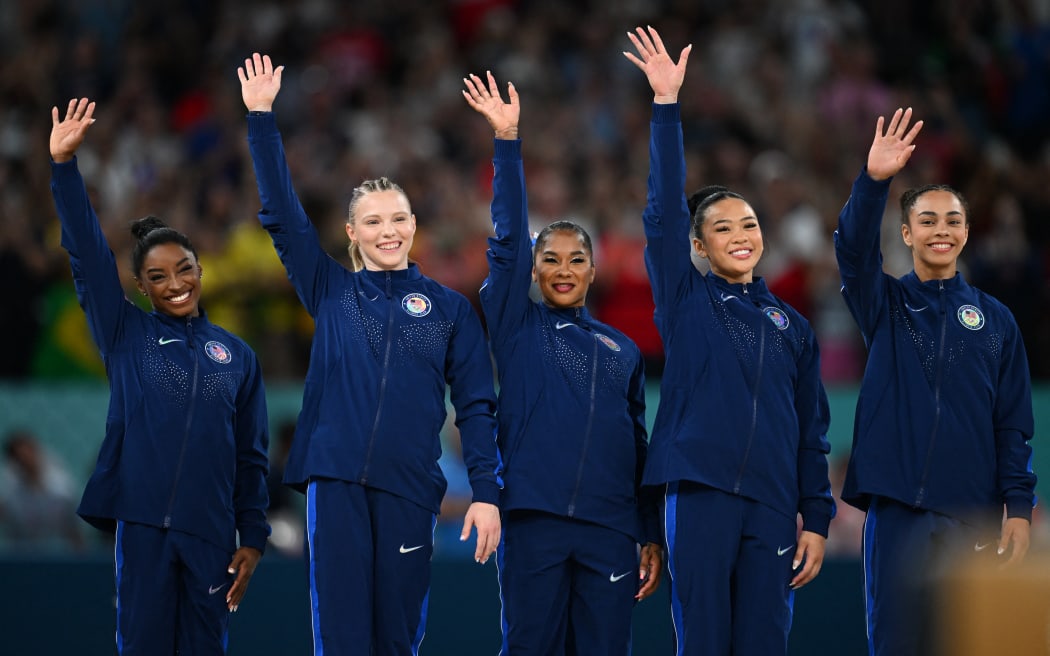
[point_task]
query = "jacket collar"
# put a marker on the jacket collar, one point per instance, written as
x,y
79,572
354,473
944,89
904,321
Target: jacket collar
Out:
x,y
181,322
757,286
397,275
955,283
578,315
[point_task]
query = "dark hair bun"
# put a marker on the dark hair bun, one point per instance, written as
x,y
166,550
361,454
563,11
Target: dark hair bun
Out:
x,y
147,224
703,193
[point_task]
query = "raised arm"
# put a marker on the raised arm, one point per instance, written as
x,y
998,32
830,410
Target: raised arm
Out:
x,y
666,218
94,268
283,216
505,293
858,236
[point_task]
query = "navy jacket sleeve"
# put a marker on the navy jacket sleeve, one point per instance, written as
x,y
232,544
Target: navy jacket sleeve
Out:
x,y
857,248
95,275
1013,423
469,373
283,216
648,496
666,218
816,504
250,497
505,294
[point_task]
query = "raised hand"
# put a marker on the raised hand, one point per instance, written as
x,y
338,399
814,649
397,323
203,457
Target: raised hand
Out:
x,y
502,116
260,82
665,75
892,149
67,134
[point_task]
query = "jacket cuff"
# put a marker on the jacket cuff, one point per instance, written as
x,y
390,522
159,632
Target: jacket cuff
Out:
x,y
1019,507
507,149
261,124
254,536
816,523
485,492
669,113
866,186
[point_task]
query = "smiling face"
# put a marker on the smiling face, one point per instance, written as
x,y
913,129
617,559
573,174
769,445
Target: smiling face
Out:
x,y
731,239
383,227
936,231
563,269
171,278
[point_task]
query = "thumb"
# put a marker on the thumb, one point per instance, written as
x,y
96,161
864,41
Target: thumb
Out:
x,y
468,522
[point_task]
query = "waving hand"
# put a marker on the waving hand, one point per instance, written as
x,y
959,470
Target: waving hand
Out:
x,y
892,148
665,75
502,116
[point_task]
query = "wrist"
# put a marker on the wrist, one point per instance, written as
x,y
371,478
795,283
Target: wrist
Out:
x,y
507,133
665,99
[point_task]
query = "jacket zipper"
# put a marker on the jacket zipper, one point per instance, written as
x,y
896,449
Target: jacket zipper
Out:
x,y
189,422
754,403
382,381
936,396
590,425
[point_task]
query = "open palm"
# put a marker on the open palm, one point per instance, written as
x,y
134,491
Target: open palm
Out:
x,y
892,148
486,100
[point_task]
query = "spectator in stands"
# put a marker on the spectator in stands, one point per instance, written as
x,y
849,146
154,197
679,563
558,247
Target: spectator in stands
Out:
x,y
37,505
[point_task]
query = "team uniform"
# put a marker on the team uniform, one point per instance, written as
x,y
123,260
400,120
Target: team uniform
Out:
x,y
575,387
367,441
944,415
740,434
181,473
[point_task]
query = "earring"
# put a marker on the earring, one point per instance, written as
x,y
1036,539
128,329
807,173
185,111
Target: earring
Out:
x,y
143,292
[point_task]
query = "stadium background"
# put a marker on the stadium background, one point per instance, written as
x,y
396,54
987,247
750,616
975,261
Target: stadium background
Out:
x,y
779,103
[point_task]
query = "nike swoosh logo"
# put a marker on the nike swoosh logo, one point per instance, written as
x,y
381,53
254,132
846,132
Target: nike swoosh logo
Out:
x,y
916,309
404,549
562,324
164,340
981,547
215,588
781,552
613,578
362,293
726,297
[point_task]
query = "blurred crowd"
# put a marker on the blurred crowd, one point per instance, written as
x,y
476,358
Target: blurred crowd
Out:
x,y
779,104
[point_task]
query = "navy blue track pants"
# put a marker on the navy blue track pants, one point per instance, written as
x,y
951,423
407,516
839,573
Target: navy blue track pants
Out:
x,y
567,586
369,568
171,592
730,563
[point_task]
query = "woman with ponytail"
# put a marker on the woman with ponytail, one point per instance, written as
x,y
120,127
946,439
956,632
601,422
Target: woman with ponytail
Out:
x,y
739,442
388,340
